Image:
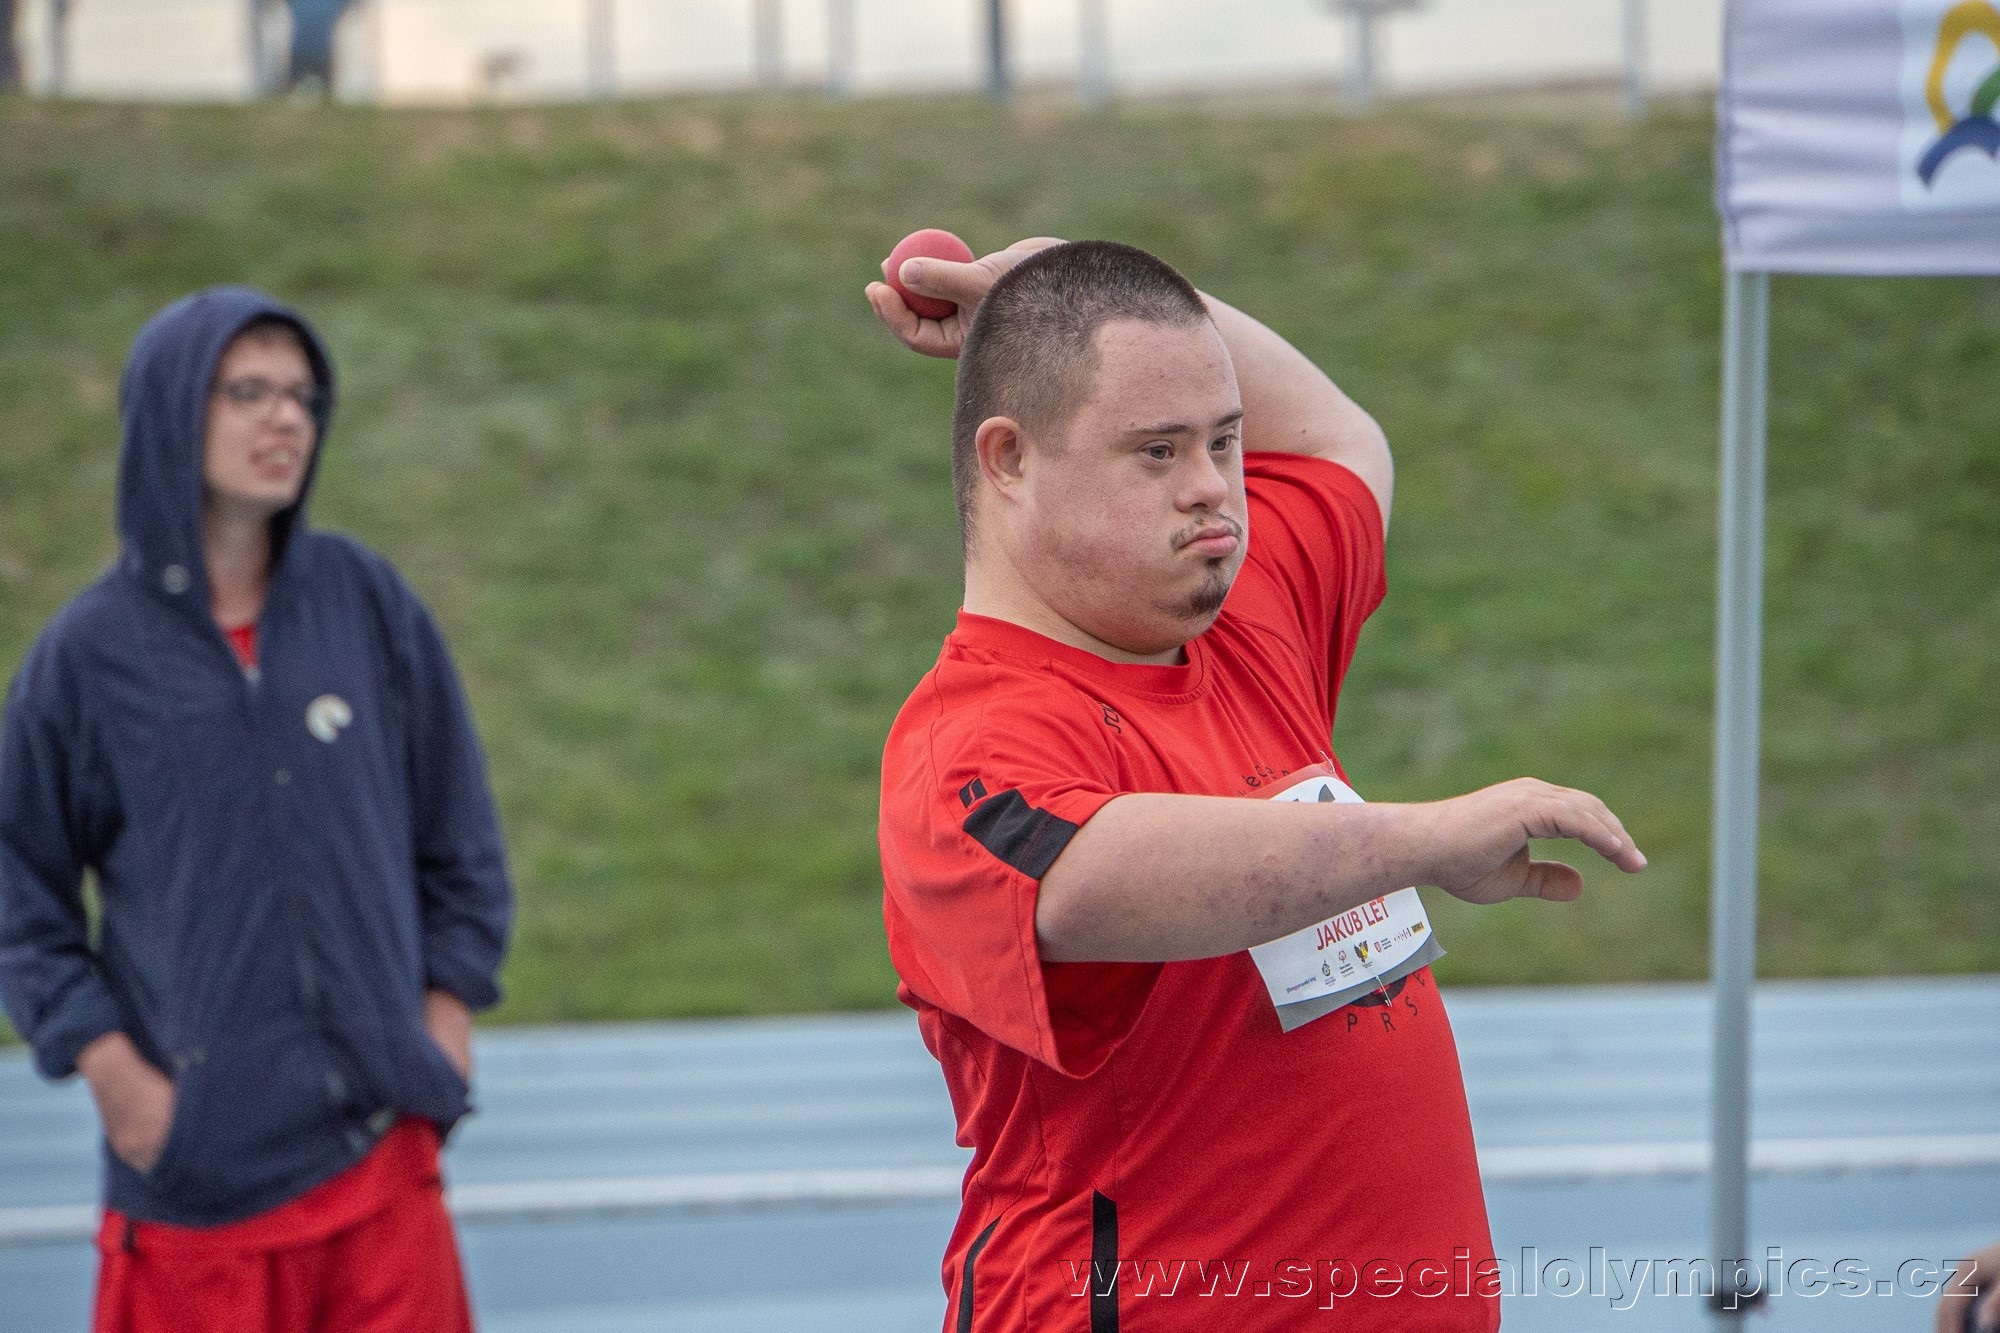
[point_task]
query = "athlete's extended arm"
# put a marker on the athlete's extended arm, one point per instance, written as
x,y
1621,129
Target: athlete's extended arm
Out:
x,y
1157,878
1289,404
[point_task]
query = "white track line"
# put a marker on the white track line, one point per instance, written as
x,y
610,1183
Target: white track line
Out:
x,y
682,1195
550,1200
1769,1157
65,1224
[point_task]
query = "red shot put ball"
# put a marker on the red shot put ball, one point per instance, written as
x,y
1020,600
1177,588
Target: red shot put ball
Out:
x,y
930,243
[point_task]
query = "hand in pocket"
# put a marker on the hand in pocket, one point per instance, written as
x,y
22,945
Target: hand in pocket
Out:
x,y
449,1023
134,1100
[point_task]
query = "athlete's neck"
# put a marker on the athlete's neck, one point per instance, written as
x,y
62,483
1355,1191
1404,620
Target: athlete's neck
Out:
x,y
1002,594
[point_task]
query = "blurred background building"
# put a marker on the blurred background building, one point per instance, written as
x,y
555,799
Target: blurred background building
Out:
x,y
417,51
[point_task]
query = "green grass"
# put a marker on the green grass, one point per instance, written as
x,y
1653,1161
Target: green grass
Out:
x,y
612,400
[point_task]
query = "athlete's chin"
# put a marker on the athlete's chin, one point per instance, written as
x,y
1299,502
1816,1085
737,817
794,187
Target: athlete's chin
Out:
x,y
1200,607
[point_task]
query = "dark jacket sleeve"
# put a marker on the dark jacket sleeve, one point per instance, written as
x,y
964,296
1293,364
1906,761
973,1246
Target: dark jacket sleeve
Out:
x,y
467,901
55,993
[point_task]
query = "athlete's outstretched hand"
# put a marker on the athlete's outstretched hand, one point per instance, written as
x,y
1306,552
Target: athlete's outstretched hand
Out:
x,y
962,284
1483,836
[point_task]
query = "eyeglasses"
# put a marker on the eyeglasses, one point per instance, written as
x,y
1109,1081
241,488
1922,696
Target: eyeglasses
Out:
x,y
258,395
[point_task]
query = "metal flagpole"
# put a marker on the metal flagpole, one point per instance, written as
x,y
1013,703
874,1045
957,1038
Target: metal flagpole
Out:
x,y
1358,91
1632,81
999,81
256,17
1363,80
1093,52
378,48
600,48
767,23
58,47
1738,672
840,44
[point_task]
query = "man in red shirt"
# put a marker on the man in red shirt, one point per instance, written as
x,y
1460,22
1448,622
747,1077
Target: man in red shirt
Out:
x,y
1192,1038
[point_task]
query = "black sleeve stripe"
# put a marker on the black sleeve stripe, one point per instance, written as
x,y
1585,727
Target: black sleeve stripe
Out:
x,y
1025,838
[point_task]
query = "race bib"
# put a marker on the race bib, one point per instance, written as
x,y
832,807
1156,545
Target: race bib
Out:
x,y
1317,970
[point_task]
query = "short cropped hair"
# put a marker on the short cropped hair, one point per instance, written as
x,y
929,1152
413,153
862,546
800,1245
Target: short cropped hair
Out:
x,y
1031,353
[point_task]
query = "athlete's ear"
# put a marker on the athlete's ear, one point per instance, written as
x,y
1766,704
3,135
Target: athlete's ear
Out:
x,y
1002,454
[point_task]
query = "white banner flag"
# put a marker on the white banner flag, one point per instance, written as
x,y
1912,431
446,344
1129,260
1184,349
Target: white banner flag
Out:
x,y
1860,136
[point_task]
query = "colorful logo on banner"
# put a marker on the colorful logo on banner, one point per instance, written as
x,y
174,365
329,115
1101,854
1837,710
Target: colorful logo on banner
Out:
x,y
1951,88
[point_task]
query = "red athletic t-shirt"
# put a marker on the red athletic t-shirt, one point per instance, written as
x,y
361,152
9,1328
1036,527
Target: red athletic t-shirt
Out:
x,y
1151,1150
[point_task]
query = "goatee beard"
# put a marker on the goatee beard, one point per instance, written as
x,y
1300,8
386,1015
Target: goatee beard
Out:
x,y
1206,600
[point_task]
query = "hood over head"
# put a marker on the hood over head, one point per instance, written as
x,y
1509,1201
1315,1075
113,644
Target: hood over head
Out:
x,y
163,399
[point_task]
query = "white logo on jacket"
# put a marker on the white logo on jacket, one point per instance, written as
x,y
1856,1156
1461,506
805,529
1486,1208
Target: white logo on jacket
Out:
x,y
327,715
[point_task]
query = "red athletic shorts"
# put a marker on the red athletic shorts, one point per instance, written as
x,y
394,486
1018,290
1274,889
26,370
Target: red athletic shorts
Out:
x,y
370,1251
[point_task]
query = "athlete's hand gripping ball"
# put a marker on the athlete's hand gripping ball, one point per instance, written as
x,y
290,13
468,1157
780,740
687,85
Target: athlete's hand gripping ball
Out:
x,y
930,243
923,280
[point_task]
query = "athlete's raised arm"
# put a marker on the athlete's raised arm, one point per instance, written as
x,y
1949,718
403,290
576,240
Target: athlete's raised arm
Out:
x,y
1289,404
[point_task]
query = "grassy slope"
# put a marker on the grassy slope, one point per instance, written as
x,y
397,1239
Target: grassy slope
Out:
x,y
615,405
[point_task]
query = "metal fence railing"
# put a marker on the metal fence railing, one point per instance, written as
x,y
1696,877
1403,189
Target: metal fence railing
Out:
x,y
459,50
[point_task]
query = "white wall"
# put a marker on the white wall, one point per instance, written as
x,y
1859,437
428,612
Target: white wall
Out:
x,y
451,50
169,50
1469,43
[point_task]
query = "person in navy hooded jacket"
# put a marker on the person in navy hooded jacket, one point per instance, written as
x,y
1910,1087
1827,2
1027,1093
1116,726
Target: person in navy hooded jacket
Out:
x,y
252,735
